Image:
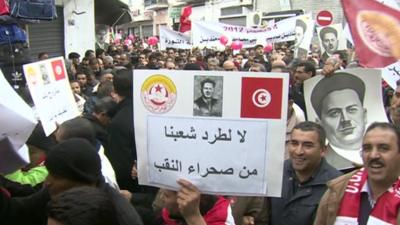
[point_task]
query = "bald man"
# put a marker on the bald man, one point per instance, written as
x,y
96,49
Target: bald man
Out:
x,y
229,65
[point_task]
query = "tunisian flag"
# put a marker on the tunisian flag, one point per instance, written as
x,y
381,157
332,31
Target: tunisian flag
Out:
x,y
261,98
58,69
186,24
375,28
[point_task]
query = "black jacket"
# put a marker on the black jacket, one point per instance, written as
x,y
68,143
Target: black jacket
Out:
x,y
121,149
31,210
300,206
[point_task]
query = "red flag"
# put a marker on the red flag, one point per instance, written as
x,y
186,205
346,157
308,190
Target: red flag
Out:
x,y
261,97
186,24
58,69
375,28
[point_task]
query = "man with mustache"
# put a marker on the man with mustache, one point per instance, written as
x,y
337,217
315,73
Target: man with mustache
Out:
x,y
330,42
338,102
370,195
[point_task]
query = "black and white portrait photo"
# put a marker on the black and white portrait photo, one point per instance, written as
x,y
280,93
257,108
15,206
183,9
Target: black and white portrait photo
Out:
x,y
344,104
304,31
102,36
331,39
208,96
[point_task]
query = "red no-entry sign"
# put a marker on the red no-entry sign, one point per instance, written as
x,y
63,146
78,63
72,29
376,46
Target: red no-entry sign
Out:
x,y
324,18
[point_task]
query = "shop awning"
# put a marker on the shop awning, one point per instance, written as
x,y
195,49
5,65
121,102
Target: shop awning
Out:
x,y
111,12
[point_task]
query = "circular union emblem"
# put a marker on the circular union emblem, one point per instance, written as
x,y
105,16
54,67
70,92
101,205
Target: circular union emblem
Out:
x,y
158,94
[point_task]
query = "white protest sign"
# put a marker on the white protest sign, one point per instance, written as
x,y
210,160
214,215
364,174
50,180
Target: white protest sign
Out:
x,y
12,159
172,39
231,135
283,30
49,86
225,133
208,34
16,117
391,74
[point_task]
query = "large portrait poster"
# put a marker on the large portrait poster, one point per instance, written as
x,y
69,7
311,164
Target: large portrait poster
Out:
x,y
345,104
224,132
50,90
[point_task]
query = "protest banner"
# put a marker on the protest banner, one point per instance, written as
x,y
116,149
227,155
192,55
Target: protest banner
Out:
x,y
172,39
197,126
16,118
345,104
17,122
375,31
50,90
208,34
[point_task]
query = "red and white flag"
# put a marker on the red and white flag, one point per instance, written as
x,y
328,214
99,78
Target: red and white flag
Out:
x,y
261,98
375,28
186,24
58,69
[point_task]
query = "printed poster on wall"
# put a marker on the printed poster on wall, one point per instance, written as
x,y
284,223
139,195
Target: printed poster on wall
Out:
x,y
225,133
50,90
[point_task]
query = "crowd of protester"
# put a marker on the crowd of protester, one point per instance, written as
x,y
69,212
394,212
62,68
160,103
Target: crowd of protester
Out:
x,y
85,172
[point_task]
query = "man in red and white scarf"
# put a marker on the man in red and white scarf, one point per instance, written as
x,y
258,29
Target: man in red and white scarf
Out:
x,y
371,195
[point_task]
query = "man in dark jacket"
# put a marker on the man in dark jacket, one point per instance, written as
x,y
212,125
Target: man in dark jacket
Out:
x,y
121,150
304,177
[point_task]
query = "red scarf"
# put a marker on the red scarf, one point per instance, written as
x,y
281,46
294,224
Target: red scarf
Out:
x,y
384,211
